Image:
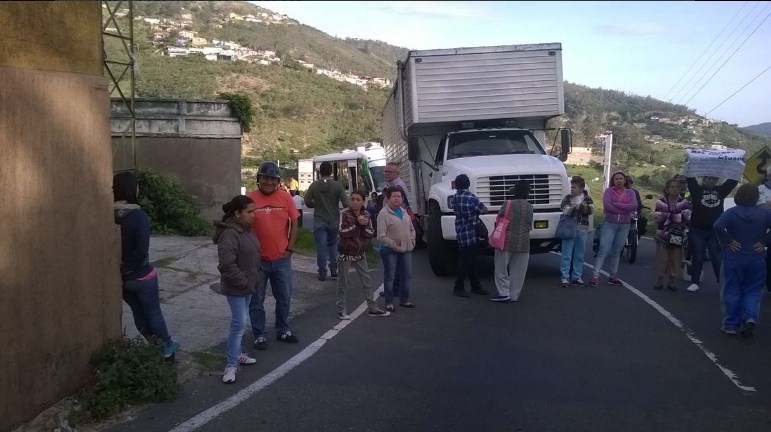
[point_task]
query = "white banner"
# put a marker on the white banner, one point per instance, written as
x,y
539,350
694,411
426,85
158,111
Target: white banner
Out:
x,y
727,164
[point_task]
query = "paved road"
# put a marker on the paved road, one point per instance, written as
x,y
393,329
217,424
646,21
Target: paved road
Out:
x,y
577,359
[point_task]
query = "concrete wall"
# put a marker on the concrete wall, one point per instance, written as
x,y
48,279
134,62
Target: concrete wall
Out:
x,y
197,143
59,256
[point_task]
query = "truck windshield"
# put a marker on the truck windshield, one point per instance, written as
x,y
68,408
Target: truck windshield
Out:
x,y
492,142
378,176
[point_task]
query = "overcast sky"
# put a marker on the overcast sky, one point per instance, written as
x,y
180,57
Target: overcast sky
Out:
x,y
692,53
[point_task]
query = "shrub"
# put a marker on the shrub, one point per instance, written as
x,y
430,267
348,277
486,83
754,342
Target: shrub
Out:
x,y
171,209
242,108
126,372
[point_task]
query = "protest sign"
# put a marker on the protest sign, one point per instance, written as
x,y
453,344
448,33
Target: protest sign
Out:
x,y
727,164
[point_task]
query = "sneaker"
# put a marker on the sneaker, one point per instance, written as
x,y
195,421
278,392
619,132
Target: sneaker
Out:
x,y
579,282
287,337
614,280
390,308
500,299
594,281
170,349
730,332
564,283
343,316
379,313
748,329
261,343
230,375
333,274
244,359
692,287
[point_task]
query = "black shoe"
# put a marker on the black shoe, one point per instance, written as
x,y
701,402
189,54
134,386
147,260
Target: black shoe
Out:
x,y
287,337
333,274
322,276
461,293
480,291
671,287
658,287
749,329
261,343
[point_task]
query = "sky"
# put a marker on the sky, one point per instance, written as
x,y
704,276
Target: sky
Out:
x,y
693,53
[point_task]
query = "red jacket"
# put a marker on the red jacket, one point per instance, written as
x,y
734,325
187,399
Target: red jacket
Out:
x,y
353,236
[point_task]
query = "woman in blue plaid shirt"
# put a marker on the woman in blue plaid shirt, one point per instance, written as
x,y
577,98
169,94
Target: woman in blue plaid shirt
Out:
x,y
467,208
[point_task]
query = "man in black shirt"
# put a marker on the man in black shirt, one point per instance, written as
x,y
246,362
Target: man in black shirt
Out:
x,y
707,205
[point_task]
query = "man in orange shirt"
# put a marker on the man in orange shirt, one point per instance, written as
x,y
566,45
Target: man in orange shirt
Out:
x,y
275,224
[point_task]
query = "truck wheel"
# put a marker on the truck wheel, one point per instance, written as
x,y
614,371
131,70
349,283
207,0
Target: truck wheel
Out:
x,y
440,251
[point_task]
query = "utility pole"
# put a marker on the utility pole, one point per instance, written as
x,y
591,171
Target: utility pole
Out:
x,y
608,138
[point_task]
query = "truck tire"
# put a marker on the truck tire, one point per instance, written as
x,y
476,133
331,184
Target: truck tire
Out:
x,y
440,251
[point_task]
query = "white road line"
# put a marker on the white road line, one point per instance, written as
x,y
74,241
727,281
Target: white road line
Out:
x,y
248,391
731,375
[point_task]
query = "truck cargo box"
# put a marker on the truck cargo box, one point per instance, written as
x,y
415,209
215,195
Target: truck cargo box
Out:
x,y
462,84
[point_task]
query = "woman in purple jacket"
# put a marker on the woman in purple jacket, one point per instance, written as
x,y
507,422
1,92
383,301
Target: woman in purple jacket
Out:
x,y
619,202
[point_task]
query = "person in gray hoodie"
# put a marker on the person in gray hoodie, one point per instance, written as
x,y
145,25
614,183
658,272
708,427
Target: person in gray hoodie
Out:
x,y
238,251
324,196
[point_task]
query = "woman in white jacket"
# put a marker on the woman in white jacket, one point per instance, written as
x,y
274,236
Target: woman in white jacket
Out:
x,y
396,236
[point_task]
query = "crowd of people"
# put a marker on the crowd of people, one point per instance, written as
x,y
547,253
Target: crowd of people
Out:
x,y
257,233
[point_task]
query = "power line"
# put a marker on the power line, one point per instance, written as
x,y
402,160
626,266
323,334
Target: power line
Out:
x,y
737,91
729,58
697,81
705,51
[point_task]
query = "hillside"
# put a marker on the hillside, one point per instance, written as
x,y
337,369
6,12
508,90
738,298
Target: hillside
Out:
x,y
760,129
301,113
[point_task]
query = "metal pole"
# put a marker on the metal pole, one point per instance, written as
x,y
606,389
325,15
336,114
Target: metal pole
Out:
x,y
607,161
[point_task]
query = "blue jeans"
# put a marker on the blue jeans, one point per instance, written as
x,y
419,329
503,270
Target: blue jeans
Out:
x,y
742,291
394,262
573,250
279,273
239,310
325,234
612,239
142,296
700,241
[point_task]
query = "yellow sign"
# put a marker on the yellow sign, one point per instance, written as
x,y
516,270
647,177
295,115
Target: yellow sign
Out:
x,y
756,166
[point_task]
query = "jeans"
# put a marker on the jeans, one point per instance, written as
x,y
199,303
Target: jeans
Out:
x,y
239,310
612,239
279,273
325,234
142,296
702,240
742,291
467,267
573,250
393,262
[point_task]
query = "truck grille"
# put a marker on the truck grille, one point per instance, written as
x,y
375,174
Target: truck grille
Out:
x,y
546,189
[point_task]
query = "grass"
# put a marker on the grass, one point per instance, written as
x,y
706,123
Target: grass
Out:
x,y
208,360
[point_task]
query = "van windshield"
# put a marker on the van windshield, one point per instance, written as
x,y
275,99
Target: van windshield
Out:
x,y
493,142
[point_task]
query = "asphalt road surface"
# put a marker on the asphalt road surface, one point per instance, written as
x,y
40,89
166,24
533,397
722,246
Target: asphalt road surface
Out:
x,y
608,358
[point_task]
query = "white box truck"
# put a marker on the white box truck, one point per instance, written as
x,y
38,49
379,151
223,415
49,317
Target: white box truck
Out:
x,y
480,112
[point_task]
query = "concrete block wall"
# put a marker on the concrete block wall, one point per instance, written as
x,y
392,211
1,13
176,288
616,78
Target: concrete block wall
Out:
x,y
60,295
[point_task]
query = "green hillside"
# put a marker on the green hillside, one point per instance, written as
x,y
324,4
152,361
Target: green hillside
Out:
x,y
302,114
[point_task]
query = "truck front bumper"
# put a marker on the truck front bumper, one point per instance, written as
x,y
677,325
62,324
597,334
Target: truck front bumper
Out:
x,y
544,226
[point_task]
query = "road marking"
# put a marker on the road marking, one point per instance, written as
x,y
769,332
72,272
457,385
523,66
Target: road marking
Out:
x,y
731,375
233,401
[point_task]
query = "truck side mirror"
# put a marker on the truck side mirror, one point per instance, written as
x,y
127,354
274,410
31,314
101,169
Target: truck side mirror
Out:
x,y
566,143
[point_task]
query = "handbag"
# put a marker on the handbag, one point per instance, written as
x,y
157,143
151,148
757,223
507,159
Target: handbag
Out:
x,y
676,236
567,227
498,238
481,231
